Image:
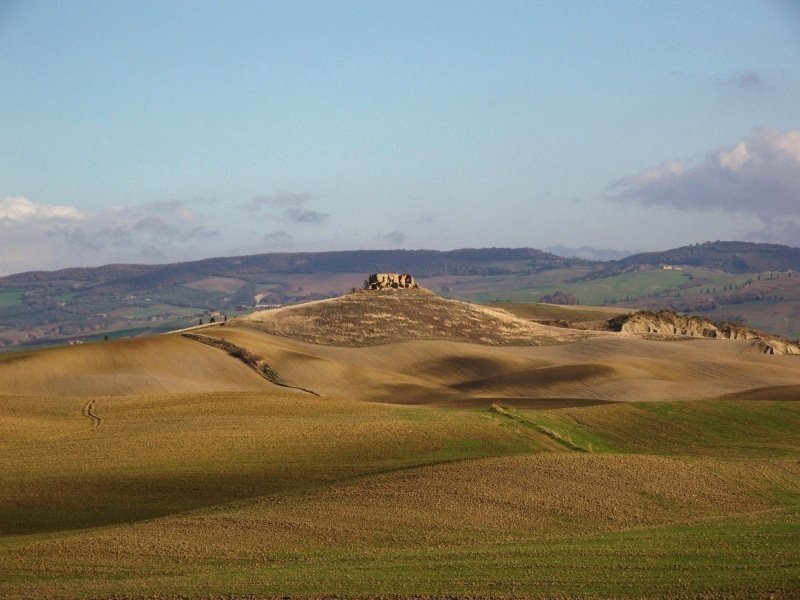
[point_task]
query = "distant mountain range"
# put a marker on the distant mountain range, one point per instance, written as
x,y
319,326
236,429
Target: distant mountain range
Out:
x,y
126,299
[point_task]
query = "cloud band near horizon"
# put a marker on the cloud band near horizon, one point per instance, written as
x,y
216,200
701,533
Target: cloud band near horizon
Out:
x,y
760,176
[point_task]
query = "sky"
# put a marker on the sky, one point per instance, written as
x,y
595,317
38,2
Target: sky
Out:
x,y
166,131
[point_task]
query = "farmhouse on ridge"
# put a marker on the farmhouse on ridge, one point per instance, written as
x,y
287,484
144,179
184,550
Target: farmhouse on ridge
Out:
x,y
382,281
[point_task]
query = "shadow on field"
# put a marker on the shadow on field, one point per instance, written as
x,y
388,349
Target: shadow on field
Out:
x,y
538,378
84,502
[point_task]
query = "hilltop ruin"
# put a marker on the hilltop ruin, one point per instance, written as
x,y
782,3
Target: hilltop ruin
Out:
x,y
384,281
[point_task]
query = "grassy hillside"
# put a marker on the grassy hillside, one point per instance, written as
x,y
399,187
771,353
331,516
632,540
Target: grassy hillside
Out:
x,y
769,301
402,349
269,495
617,288
537,311
740,427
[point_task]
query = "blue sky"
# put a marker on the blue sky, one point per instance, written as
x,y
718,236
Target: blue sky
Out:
x,y
160,131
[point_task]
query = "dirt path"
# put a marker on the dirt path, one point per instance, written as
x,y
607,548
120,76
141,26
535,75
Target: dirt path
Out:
x,y
88,412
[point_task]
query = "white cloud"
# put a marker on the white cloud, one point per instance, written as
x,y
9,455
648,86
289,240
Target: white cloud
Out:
x,y
40,236
18,209
758,176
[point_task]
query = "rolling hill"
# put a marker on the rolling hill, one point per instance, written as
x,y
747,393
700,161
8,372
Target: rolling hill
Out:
x,y
570,366
364,318
407,346
148,365
488,456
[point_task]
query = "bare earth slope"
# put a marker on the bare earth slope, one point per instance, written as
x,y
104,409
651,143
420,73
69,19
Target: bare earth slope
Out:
x,y
612,367
158,364
672,323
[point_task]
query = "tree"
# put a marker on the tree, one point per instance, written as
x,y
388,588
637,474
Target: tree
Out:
x,y
559,297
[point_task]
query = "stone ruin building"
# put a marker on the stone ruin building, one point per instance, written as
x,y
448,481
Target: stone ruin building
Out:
x,y
383,281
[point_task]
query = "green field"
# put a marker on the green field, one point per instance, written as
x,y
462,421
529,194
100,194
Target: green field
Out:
x,y
273,495
776,311
636,284
10,297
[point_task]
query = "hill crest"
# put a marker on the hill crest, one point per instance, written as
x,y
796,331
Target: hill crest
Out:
x,y
371,317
